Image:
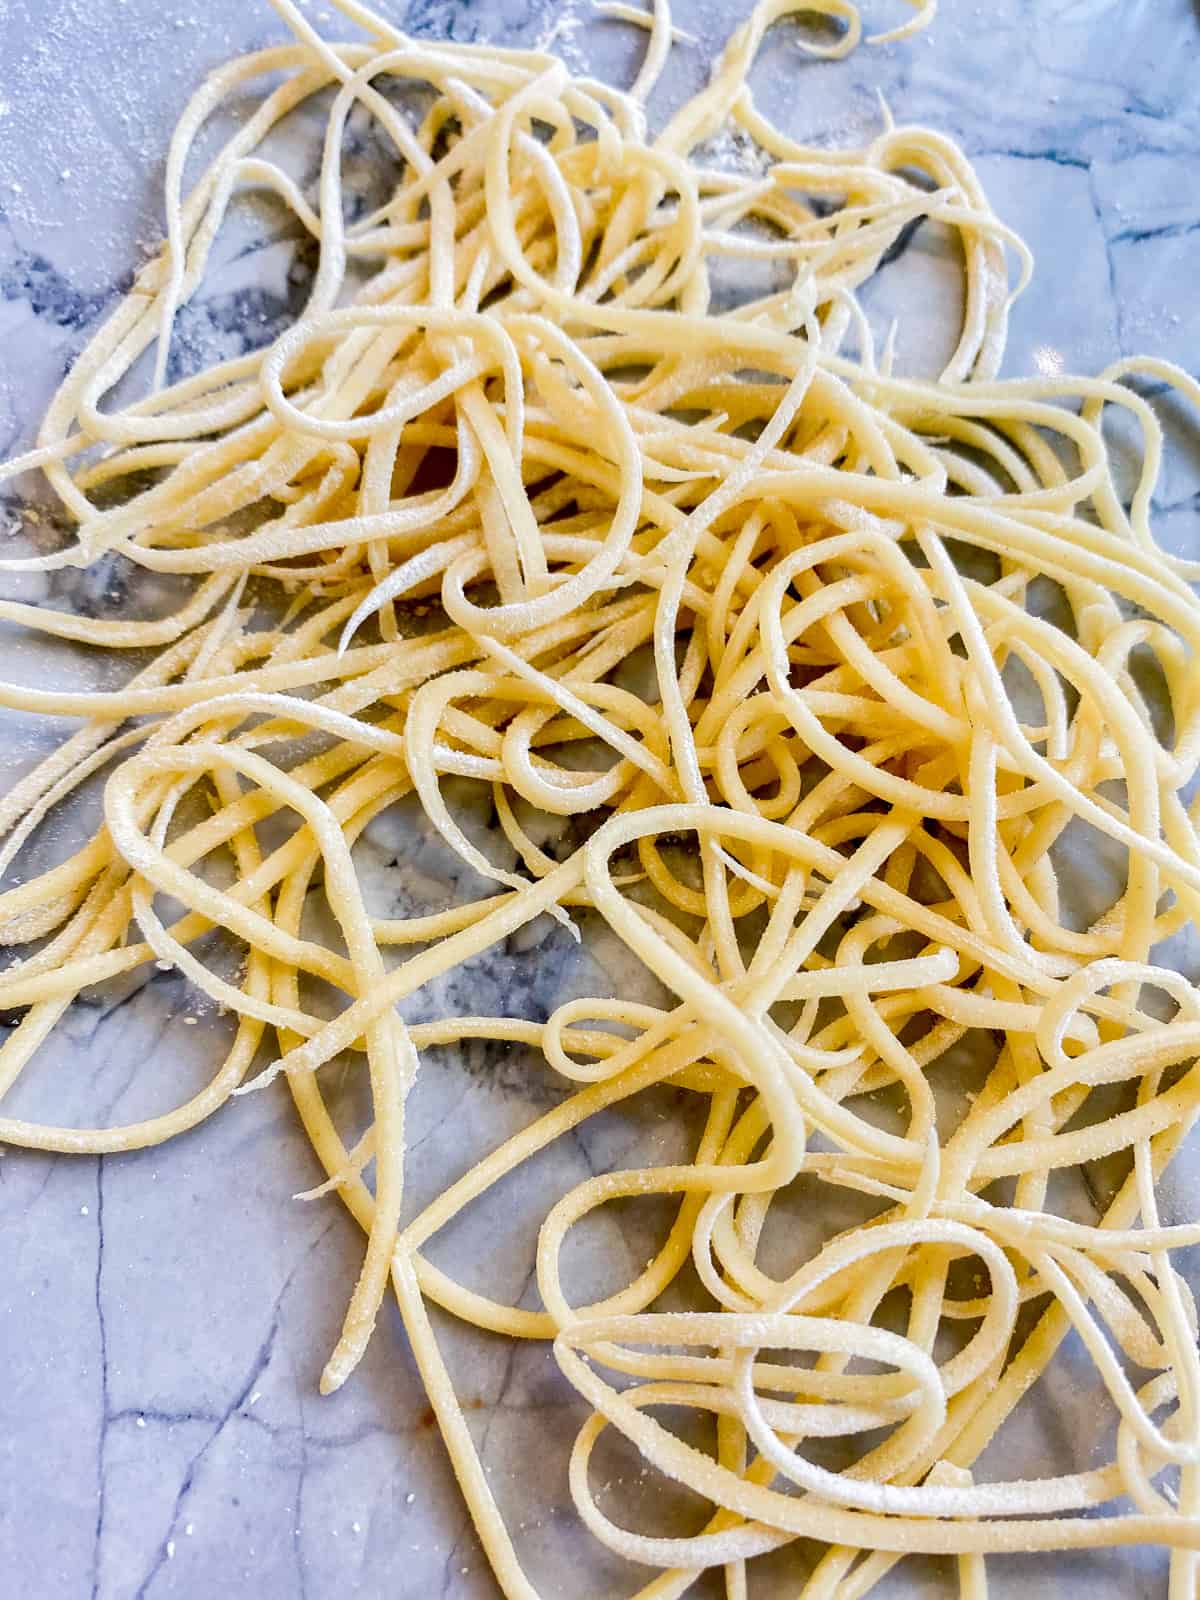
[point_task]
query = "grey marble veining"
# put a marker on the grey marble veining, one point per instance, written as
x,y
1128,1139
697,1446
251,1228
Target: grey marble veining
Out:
x,y
164,1316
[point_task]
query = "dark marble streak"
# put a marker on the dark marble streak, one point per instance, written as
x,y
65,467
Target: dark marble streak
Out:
x,y
49,293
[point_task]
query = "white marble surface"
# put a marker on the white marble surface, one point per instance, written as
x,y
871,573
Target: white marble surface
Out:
x,y
164,1317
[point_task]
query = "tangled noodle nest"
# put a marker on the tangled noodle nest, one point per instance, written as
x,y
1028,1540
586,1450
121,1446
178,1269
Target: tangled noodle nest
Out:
x,y
831,826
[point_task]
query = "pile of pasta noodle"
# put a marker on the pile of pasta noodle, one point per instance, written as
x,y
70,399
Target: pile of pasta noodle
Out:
x,y
903,638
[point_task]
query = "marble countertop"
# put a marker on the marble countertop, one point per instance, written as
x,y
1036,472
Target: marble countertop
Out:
x,y
164,1316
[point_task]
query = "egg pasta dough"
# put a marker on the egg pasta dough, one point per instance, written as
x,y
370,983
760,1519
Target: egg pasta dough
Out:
x,y
907,649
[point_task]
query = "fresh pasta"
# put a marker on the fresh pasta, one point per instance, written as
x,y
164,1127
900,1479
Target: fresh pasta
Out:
x,y
905,645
